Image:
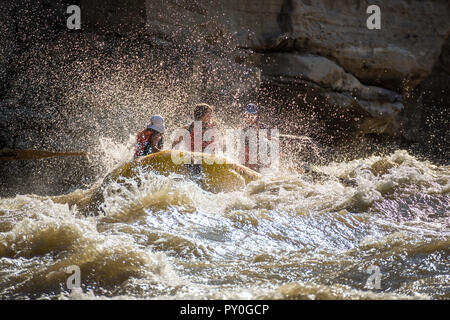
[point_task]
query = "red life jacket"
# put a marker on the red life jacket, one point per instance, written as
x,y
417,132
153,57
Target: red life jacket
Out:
x,y
204,129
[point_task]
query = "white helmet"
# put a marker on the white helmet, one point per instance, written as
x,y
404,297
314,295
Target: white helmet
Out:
x,y
157,124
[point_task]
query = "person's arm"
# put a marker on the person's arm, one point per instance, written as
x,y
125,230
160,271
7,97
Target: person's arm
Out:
x,y
138,150
177,142
154,140
182,136
139,147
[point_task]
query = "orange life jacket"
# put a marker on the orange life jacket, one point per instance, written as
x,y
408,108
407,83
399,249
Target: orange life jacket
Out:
x,y
143,143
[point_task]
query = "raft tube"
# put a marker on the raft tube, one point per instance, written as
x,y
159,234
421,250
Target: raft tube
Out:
x,y
218,174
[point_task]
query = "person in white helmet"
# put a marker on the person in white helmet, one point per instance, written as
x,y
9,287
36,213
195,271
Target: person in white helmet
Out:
x,y
150,140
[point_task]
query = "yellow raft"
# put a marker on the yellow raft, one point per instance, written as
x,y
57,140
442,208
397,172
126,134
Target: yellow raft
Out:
x,y
218,174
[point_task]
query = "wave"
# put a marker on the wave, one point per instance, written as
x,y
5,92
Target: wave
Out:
x,y
287,235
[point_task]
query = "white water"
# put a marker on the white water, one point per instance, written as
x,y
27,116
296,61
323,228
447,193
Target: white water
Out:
x,y
284,236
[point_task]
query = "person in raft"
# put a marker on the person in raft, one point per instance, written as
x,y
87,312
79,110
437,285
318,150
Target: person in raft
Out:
x,y
251,121
150,140
203,121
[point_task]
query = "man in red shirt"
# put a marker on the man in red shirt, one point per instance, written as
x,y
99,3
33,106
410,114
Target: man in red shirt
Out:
x,y
203,116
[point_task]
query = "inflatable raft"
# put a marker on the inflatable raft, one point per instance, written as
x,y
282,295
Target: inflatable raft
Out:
x,y
214,173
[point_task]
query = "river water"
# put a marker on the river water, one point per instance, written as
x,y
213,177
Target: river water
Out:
x,y
385,235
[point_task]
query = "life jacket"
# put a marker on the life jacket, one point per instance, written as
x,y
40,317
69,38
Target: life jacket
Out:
x,y
143,147
205,144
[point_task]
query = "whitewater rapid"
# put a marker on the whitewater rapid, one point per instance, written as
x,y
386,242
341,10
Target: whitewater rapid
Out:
x,y
286,236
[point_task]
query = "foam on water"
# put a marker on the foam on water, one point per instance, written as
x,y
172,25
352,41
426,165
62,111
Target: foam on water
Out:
x,y
284,236
42,238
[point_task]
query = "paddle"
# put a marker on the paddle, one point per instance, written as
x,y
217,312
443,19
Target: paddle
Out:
x,y
8,155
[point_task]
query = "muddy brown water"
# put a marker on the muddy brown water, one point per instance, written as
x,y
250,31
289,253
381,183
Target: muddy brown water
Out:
x,y
286,236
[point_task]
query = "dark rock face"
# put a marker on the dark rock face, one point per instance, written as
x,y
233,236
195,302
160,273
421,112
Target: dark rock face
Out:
x,y
7,39
313,65
425,122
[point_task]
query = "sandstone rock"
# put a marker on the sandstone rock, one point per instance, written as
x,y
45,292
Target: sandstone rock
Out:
x,y
323,72
406,47
329,44
339,87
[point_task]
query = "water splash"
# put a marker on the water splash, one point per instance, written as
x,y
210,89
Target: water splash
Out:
x,y
284,236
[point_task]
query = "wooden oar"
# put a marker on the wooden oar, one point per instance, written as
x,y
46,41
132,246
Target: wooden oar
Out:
x,y
8,155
